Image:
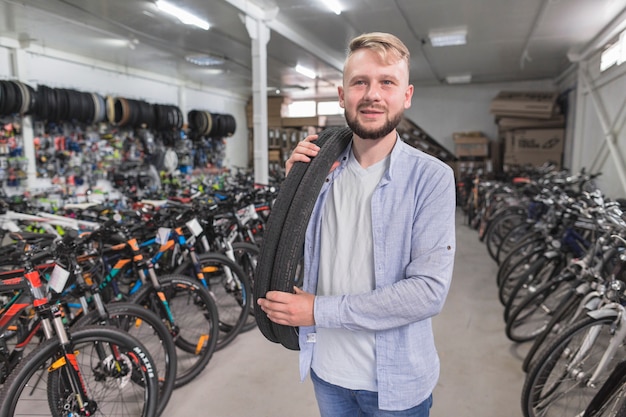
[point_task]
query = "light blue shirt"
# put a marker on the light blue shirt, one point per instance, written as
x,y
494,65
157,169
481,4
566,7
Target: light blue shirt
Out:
x,y
413,215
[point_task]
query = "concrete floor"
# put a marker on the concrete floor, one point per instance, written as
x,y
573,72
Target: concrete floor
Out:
x,y
481,372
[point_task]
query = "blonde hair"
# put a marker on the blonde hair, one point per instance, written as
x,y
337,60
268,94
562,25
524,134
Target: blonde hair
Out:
x,y
387,46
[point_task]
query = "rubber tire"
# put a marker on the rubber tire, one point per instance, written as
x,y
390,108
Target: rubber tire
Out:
x,y
552,293
550,355
227,330
284,236
167,378
143,297
561,318
15,384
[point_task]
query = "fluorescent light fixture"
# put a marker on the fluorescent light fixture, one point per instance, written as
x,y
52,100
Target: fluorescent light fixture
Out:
x,y
615,54
333,5
448,37
204,60
306,71
182,15
459,79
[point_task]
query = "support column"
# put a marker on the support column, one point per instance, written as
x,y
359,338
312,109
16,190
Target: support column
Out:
x,y
260,36
21,74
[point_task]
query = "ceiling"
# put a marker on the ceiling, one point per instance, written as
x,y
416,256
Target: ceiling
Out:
x,y
508,40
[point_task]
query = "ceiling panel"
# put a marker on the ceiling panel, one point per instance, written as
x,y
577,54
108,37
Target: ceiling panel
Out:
x,y
136,34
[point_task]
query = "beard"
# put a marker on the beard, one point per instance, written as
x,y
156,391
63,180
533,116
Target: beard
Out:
x,y
364,133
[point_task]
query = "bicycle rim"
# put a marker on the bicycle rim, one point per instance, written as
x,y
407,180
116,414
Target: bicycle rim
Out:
x,y
556,387
125,388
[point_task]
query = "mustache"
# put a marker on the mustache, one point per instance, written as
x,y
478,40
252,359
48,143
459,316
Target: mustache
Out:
x,y
371,106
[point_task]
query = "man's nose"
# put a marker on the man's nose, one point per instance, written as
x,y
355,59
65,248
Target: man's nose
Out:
x,y
373,92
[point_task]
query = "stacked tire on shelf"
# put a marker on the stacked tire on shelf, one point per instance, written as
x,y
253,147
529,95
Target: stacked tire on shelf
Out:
x,y
16,98
60,104
212,125
283,240
137,113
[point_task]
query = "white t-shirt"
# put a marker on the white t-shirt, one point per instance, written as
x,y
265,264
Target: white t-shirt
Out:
x,y
345,357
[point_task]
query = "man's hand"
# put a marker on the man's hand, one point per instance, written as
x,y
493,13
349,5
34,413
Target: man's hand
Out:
x,y
289,309
303,152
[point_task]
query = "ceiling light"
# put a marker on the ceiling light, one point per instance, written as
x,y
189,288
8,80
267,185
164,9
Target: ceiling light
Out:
x,y
333,5
459,79
182,15
204,60
448,37
306,71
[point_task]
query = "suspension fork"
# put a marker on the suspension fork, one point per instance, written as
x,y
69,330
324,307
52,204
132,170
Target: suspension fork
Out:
x,y
71,373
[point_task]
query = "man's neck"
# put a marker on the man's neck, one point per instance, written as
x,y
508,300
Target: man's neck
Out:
x,y
370,151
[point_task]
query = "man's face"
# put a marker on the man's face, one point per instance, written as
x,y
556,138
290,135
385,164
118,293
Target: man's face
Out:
x,y
374,94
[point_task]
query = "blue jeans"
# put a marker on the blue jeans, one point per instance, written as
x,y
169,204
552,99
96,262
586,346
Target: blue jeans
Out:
x,y
335,401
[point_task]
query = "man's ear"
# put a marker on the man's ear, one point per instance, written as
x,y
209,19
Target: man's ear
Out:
x,y
408,95
341,100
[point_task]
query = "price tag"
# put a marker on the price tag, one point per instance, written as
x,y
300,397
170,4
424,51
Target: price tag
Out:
x,y
58,279
163,235
194,226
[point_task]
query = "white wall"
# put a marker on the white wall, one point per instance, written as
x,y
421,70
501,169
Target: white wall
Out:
x,y
443,110
5,63
603,99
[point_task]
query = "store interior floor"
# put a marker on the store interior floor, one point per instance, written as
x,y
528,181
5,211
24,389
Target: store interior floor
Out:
x,y
481,372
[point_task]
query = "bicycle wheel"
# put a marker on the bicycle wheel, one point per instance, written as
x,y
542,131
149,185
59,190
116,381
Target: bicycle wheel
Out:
x,y
147,327
229,286
128,387
531,317
247,256
526,249
558,384
563,317
500,226
512,239
539,273
193,323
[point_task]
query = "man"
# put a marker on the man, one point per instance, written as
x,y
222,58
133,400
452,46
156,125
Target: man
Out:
x,y
379,251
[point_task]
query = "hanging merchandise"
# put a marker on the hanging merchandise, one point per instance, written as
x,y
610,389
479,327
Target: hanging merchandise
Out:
x,y
214,125
12,161
16,98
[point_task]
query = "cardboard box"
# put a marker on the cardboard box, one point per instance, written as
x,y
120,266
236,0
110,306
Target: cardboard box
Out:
x,y
539,140
318,121
530,104
511,123
470,144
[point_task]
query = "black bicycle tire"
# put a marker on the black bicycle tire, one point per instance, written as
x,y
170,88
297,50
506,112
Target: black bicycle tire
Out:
x,y
252,250
186,375
548,289
547,359
168,378
19,377
568,306
510,213
228,331
273,229
553,266
291,243
511,260
276,225
503,248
